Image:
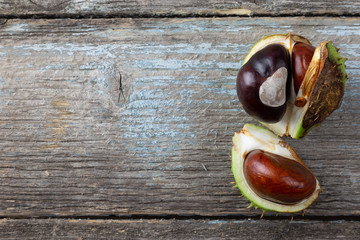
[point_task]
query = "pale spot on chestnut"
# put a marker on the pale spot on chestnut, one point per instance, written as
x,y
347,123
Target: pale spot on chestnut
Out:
x,y
272,92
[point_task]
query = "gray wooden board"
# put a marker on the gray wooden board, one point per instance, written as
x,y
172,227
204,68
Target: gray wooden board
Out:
x,y
135,8
68,147
177,229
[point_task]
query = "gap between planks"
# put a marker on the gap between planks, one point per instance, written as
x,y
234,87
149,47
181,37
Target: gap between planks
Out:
x,y
171,15
230,217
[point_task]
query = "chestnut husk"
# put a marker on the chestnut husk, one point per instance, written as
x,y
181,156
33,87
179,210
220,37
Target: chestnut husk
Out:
x,y
320,93
255,138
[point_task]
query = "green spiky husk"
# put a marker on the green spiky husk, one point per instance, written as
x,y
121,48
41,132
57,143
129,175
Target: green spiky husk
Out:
x,y
327,92
254,137
339,61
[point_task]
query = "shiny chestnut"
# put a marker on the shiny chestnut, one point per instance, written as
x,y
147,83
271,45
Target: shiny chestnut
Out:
x,y
302,54
263,82
277,178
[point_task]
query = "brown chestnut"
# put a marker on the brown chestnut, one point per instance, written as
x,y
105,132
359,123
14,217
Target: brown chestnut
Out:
x,y
263,82
302,54
277,178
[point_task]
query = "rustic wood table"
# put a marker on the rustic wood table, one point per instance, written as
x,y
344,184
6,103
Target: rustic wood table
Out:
x,y
85,157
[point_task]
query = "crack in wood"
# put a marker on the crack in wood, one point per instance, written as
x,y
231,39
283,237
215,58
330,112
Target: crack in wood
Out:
x,y
170,15
229,217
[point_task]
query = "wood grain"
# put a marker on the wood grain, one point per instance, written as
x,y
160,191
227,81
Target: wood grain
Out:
x,y
176,229
69,148
145,8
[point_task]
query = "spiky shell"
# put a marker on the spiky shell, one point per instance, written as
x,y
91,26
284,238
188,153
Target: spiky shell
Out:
x,y
322,88
252,137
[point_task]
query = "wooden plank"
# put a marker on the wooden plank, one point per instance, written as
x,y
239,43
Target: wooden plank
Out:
x,y
177,229
70,146
133,8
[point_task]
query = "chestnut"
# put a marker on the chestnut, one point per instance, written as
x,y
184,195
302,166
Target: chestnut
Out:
x,y
277,178
302,54
262,83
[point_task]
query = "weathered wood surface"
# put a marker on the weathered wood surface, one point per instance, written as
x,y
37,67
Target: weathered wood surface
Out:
x,y
69,148
177,229
133,8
